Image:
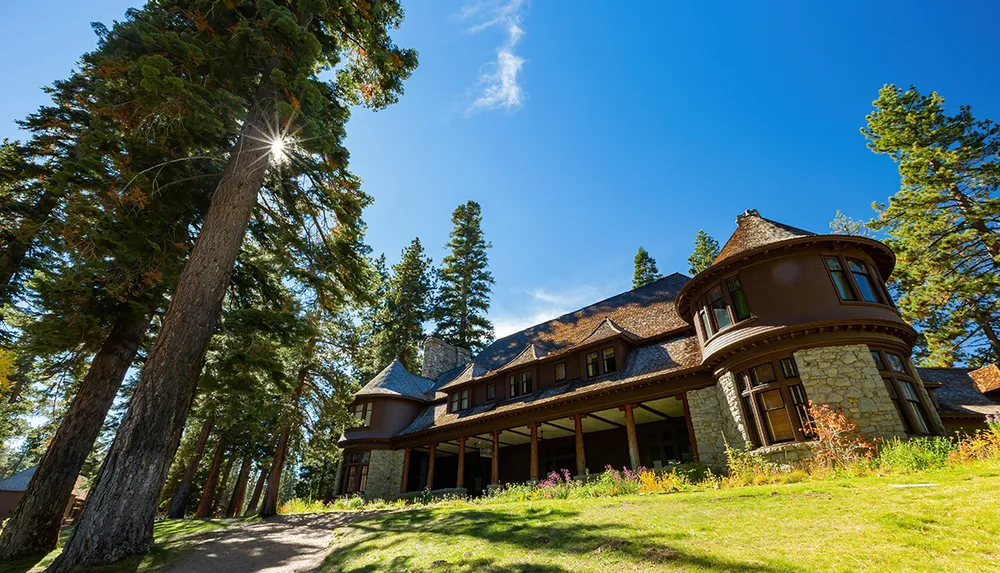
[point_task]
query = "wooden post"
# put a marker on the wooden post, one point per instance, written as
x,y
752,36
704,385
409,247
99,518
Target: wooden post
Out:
x,y
406,471
633,442
496,459
534,452
690,425
430,467
581,456
460,482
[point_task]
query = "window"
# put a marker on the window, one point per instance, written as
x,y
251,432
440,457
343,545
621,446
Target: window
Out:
x,y
724,304
840,278
861,278
774,402
593,368
718,308
363,412
740,307
459,400
560,371
903,391
491,391
520,384
356,476
609,360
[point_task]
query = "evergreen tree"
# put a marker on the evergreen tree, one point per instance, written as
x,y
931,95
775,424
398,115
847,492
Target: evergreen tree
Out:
x,y
645,269
844,225
408,306
283,49
943,223
705,250
465,281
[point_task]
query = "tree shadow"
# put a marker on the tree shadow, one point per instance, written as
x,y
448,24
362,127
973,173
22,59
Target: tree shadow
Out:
x,y
556,533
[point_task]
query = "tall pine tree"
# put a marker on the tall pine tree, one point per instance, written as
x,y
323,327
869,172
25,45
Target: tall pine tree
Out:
x,y
645,269
464,295
408,304
705,250
944,222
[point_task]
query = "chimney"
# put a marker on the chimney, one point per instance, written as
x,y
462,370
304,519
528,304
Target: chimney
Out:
x,y
747,213
440,356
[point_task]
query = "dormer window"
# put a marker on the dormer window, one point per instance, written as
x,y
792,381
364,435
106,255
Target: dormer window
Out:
x,y
560,371
608,355
363,412
520,384
459,401
593,366
491,391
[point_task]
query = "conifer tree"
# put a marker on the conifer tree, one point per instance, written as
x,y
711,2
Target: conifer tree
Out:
x,y
944,222
465,281
282,48
645,269
408,305
844,225
705,250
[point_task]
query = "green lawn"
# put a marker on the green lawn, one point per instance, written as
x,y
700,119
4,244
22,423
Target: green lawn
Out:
x,y
859,524
170,538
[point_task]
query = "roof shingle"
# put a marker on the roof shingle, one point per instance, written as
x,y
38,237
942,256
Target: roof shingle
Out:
x,y
957,394
396,380
753,231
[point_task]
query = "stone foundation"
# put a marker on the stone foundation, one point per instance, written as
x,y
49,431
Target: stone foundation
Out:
x,y
385,474
717,420
845,378
788,454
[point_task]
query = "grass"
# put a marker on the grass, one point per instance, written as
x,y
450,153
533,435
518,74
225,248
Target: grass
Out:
x,y
170,538
848,524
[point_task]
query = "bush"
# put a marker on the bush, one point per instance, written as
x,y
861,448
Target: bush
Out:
x,y
839,444
914,454
983,445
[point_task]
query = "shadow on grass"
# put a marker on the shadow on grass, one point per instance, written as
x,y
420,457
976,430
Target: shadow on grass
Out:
x,y
514,538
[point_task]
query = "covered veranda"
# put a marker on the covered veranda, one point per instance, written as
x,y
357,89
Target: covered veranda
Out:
x,y
654,433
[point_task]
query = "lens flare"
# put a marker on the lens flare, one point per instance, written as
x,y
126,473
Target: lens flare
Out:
x,y
281,150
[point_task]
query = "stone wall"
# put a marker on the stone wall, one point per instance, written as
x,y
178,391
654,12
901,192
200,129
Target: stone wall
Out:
x,y
440,357
717,419
845,378
788,454
385,474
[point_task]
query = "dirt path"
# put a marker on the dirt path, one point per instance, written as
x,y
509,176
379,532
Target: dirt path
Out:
x,y
282,544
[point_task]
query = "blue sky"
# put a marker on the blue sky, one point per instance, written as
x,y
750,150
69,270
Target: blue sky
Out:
x,y
609,125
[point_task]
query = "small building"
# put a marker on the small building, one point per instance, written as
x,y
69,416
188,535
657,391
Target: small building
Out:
x,y
12,490
664,374
963,396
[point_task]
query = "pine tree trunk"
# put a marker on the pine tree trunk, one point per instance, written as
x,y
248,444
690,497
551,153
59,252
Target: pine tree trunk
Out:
x,y
240,491
220,493
179,504
12,258
117,520
987,237
270,505
33,529
991,335
208,490
257,489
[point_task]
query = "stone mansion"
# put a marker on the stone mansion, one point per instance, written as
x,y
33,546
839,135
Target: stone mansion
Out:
x,y
667,373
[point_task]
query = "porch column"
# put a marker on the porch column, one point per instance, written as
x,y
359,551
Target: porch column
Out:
x,y
430,467
534,452
460,481
633,442
495,477
406,471
581,456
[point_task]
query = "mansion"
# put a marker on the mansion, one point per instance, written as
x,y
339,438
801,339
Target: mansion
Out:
x,y
668,373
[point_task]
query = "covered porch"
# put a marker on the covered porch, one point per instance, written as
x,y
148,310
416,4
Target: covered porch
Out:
x,y
655,434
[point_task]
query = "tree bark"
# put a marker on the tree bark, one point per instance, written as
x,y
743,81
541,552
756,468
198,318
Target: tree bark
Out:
x,y
180,501
118,519
991,336
270,505
986,236
240,491
257,489
220,492
33,528
208,490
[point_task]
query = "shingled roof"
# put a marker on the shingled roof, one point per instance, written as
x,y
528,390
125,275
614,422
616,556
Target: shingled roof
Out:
x,y
396,380
753,231
18,481
957,395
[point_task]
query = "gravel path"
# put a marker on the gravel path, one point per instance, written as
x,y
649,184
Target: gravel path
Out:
x,y
281,544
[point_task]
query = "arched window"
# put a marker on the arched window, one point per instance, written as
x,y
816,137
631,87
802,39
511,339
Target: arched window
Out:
x,y
774,402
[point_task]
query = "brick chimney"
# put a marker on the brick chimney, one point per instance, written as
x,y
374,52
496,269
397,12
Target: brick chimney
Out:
x,y
441,356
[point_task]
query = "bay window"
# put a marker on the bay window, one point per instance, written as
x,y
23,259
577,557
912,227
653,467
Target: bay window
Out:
x,y
775,406
723,305
902,388
855,280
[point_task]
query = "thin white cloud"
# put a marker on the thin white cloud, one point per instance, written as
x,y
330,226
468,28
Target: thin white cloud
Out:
x,y
498,83
539,305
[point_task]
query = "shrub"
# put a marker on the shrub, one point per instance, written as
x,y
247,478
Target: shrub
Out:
x,y
983,445
663,482
746,467
839,444
993,422
914,454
